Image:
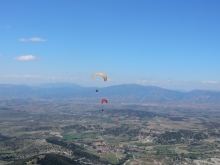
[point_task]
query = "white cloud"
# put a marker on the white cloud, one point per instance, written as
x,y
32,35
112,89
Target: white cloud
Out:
x,y
32,76
26,58
145,81
73,78
110,80
34,39
27,76
21,76
54,78
142,81
210,82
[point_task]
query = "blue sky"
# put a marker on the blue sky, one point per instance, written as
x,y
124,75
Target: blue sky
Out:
x,y
171,44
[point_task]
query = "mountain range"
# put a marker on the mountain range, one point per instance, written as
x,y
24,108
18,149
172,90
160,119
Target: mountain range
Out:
x,y
121,93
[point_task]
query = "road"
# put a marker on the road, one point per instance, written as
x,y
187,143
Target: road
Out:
x,y
126,162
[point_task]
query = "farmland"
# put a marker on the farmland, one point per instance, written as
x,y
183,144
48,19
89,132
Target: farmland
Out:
x,y
144,134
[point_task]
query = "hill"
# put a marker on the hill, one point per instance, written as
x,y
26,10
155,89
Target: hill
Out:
x,y
120,93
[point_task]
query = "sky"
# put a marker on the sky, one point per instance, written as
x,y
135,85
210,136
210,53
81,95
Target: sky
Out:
x,y
170,44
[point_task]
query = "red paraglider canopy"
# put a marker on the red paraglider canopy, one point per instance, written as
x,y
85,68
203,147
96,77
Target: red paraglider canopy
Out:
x,y
104,101
117,119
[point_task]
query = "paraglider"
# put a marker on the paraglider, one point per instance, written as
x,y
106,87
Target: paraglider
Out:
x,y
100,74
104,101
116,120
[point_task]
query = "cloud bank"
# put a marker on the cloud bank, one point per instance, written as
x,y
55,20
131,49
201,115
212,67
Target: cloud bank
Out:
x,y
34,39
21,76
26,58
210,82
28,76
